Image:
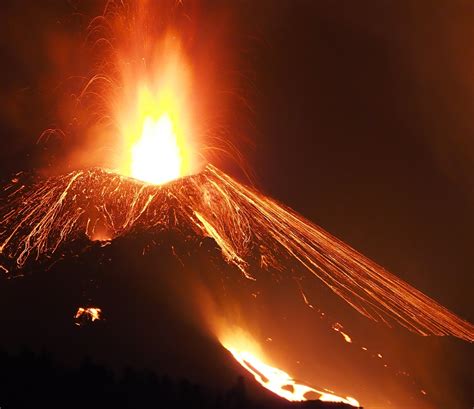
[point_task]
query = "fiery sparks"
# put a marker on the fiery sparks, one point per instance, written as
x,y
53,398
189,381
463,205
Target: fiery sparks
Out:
x,y
338,328
37,219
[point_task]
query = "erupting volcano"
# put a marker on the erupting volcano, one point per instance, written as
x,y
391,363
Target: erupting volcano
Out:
x,y
156,182
249,227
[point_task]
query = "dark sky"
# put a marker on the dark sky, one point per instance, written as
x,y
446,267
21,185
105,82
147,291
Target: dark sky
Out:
x,y
360,112
364,113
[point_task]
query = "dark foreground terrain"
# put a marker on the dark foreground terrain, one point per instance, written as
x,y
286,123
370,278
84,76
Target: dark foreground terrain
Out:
x,y
30,380
150,349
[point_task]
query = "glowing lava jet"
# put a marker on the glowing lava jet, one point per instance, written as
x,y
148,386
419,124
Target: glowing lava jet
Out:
x,y
156,157
154,129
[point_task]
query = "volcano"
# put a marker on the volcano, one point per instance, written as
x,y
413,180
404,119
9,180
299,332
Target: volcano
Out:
x,y
249,228
150,319
148,282
204,250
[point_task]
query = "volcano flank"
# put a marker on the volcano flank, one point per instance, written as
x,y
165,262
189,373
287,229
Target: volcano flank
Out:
x,y
149,281
152,324
179,268
249,228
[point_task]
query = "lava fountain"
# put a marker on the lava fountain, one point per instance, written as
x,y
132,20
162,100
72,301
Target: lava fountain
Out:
x,y
156,157
155,132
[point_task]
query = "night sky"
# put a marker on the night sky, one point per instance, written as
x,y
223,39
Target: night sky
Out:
x,y
357,114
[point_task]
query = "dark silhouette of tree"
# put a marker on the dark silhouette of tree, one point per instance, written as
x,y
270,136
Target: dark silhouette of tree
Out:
x,y
30,380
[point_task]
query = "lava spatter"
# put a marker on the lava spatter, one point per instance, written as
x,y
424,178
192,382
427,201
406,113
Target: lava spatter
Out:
x,y
37,219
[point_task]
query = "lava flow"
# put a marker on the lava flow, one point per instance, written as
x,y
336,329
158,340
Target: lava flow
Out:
x,y
282,384
275,380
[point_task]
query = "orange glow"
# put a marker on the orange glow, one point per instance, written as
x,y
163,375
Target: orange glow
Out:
x,y
36,220
156,156
275,380
91,313
154,117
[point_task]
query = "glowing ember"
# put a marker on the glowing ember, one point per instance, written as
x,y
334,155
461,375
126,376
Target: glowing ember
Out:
x,y
156,157
339,328
89,314
274,379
